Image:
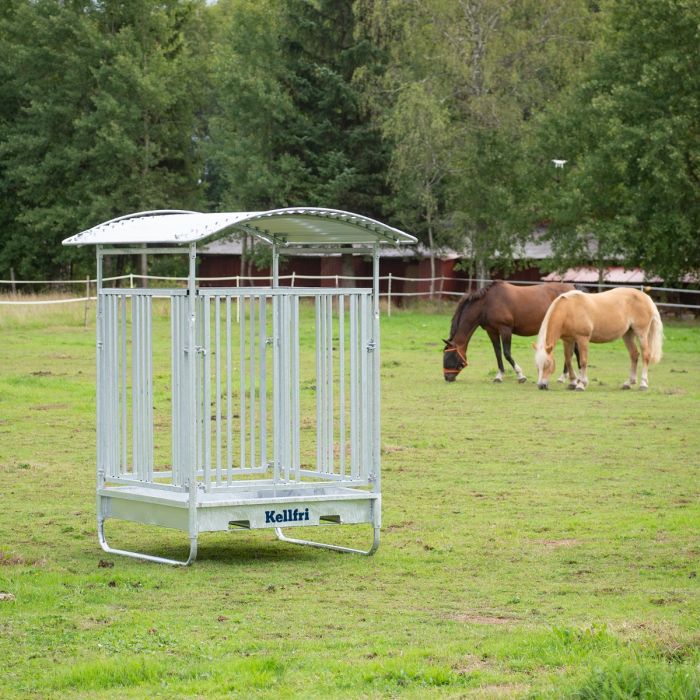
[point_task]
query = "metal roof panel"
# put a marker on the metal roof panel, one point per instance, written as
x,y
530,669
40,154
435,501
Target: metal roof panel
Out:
x,y
291,226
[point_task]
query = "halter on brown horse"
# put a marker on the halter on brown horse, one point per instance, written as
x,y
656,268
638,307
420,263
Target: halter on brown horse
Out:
x,y
502,310
599,318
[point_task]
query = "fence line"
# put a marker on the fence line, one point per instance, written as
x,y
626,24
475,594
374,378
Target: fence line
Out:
x,y
390,293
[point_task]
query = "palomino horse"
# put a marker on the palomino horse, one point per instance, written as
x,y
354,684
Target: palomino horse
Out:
x,y
599,318
501,309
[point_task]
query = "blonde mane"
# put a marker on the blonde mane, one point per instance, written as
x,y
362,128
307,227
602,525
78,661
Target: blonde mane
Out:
x,y
542,335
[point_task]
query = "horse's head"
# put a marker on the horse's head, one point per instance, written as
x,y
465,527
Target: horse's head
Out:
x,y
453,361
544,359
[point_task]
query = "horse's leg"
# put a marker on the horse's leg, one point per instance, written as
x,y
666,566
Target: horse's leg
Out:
x,y
634,357
568,372
496,342
582,381
569,368
506,337
643,338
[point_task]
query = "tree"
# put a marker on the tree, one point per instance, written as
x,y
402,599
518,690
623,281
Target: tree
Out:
x,y
418,130
109,101
289,128
631,130
489,66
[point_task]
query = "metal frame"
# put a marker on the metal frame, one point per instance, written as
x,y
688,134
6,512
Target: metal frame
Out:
x,y
244,424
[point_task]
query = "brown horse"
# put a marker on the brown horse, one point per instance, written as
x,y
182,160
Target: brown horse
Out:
x,y
501,309
599,318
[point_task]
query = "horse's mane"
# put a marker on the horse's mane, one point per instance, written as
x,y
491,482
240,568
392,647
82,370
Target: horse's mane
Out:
x,y
465,301
542,335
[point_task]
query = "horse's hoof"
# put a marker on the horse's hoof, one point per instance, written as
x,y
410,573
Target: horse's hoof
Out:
x,y
643,387
626,386
522,380
572,387
579,387
498,380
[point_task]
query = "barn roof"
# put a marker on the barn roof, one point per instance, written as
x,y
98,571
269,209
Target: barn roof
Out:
x,y
611,275
307,226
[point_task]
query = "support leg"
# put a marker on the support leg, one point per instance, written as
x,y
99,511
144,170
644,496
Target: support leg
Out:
x,y
146,557
336,548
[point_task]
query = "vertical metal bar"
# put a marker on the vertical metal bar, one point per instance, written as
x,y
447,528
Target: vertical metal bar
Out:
x,y
185,400
320,388
341,385
119,369
275,266
143,357
242,388
238,299
174,390
330,432
354,374
106,387
295,399
217,385
192,394
275,389
262,391
99,389
252,344
376,365
283,353
148,363
206,391
229,397
124,356
388,301
367,433
111,391
135,385
198,389
142,388
287,399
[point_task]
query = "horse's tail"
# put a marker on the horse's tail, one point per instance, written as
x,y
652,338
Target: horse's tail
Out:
x,y
655,336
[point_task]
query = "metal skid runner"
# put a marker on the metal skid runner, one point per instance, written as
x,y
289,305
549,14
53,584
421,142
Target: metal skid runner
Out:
x,y
231,417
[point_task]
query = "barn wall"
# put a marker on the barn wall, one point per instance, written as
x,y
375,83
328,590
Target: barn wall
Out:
x,y
416,272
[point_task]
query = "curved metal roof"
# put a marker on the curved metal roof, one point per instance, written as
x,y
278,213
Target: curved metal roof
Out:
x,y
292,226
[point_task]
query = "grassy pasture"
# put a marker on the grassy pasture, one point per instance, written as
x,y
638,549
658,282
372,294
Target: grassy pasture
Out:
x,y
534,544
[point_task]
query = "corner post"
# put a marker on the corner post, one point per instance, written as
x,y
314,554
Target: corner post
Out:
x,y
99,388
376,447
192,394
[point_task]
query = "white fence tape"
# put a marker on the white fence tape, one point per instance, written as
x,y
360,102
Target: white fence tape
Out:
x,y
437,282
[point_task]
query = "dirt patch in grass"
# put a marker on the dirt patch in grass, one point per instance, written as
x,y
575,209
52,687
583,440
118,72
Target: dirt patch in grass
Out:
x,y
470,664
556,544
398,526
480,619
7,559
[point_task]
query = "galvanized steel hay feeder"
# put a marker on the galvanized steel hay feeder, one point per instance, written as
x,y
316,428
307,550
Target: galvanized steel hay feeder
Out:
x,y
226,423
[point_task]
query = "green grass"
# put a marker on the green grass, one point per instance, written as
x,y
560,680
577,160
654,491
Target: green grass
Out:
x,y
534,544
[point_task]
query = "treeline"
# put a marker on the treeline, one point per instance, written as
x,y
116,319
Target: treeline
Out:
x,y
442,117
